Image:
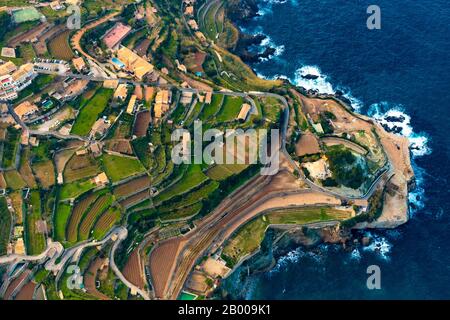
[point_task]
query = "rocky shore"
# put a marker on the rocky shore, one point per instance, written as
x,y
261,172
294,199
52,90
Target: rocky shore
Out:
x,y
249,47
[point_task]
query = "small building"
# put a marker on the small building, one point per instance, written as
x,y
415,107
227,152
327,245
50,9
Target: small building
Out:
x,y
79,64
8,52
121,92
101,179
56,5
96,149
7,68
189,11
33,141
110,84
100,127
186,97
162,101
131,104
193,24
134,63
208,97
25,110
243,114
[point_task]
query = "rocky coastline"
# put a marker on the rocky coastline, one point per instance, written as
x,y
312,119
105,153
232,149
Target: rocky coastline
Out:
x,y
280,241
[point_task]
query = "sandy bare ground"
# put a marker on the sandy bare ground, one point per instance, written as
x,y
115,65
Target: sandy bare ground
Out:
x,y
308,144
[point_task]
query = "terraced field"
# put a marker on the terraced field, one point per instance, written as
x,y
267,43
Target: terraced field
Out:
x,y
90,217
118,168
132,186
193,177
76,216
80,167
106,222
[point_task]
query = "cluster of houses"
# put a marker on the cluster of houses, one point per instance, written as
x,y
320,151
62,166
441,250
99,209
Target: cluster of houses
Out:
x,y
14,79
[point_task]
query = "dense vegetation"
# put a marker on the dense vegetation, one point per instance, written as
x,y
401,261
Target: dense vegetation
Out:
x,y
347,171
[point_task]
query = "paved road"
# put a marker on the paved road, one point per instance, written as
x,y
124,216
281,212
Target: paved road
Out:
x,y
122,235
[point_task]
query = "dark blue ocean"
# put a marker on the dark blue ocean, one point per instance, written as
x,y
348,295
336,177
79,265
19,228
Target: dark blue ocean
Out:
x,y
403,70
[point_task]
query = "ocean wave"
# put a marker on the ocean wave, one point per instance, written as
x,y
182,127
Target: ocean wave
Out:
x,y
355,255
322,84
379,245
394,118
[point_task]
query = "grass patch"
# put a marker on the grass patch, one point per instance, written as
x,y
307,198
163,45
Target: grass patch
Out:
x,y
230,109
75,189
192,177
5,222
118,168
14,180
34,238
209,110
61,219
91,111
249,237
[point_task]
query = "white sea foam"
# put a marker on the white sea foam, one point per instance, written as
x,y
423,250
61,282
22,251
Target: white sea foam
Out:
x,y
356,254
322,84
379,245
393,117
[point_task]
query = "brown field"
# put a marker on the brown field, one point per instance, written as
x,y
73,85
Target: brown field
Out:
x,y
90,276
80,167
61,159
89,219
45,173
135,199
142,48
25,169
27,291
59,46
141,124
308,144
120,146
41,46
194,61
162,264
17,202
132,186
133,270
15,283
3,184
77,214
